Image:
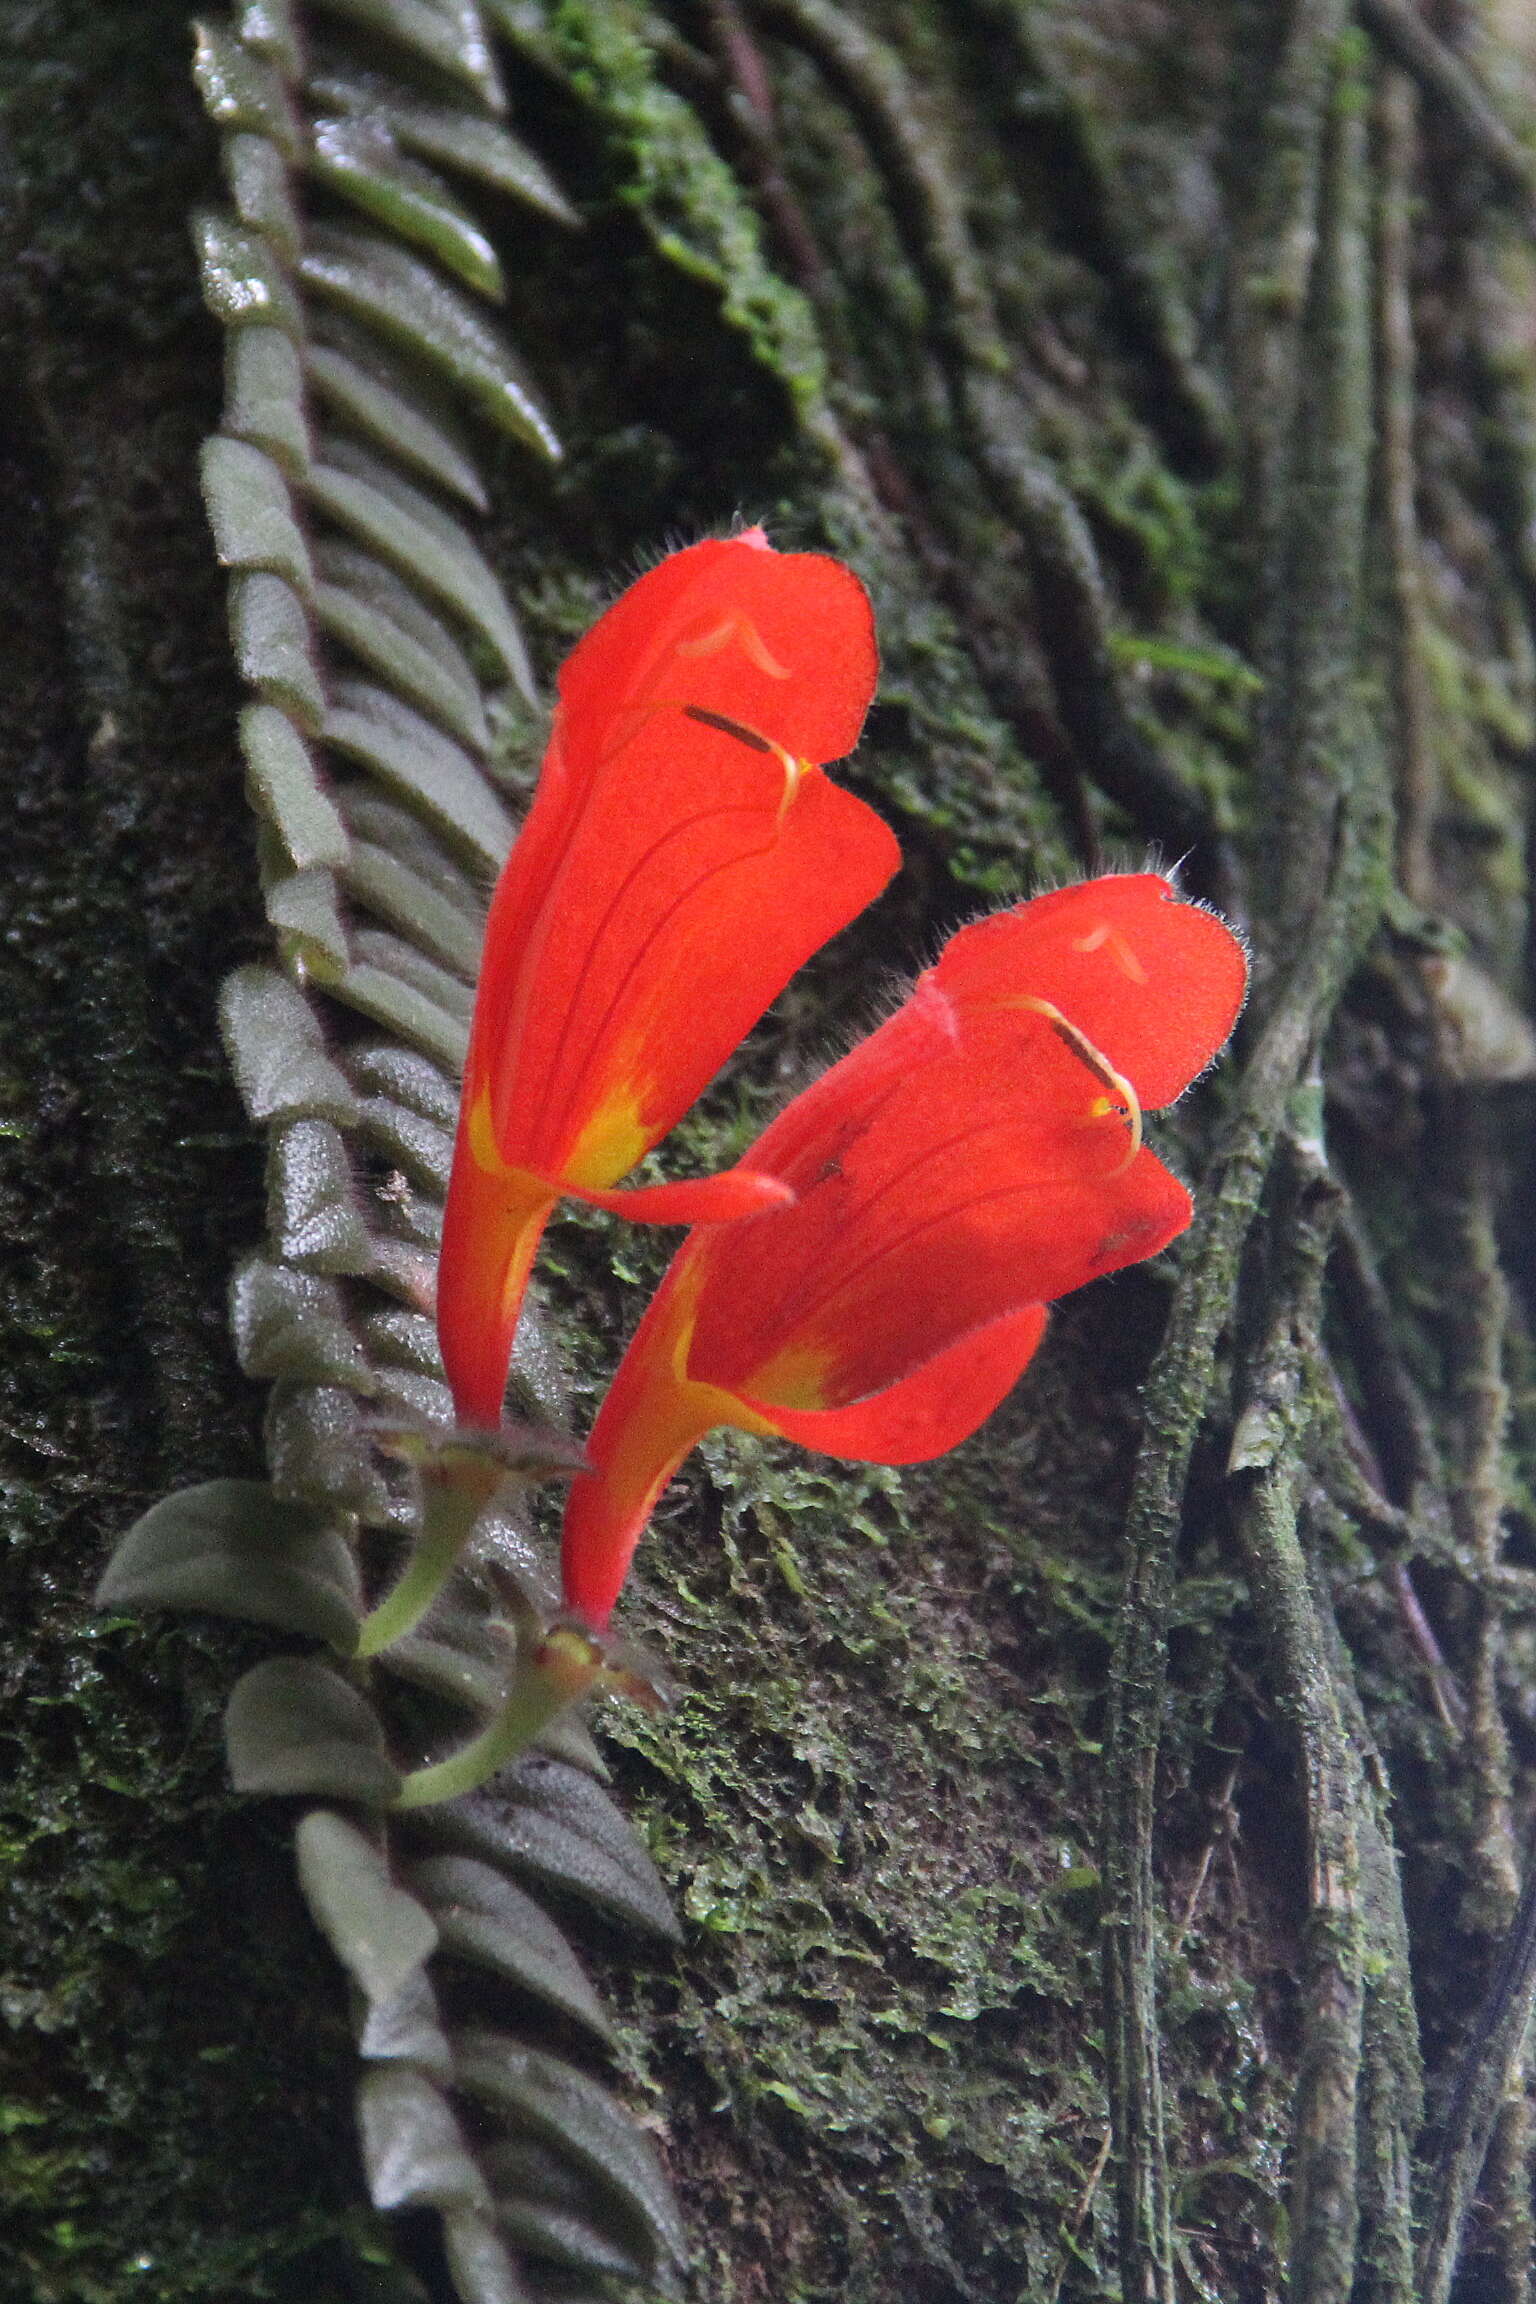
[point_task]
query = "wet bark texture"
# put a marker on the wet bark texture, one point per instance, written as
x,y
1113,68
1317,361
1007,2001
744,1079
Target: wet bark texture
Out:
x,y
1080,1842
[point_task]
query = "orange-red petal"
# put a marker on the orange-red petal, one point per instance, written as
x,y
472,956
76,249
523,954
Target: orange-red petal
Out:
x,y
1154,983
781,641
932,1409
699,880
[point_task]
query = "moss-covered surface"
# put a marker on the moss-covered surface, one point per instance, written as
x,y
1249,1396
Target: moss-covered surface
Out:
x,y
878,2064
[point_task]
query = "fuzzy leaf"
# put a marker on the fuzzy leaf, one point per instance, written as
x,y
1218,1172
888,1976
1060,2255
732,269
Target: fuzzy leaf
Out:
x,y
360,160
371,815
313,1214
234,1548
264,396
403,1340
451,38
552,1854
422,1149
262,193
387,403
290,1324
406,1079
319,1452
402,1009
390,628
480,2267
483,1919
432,549
413,2153
425,767
304,909
445,931
251,513
552,2100
269,629
378,1931
413,306
267,28
553,2210
276,1051
292,1725
447,991
455,138
240,89
284,786
406,2029
243,282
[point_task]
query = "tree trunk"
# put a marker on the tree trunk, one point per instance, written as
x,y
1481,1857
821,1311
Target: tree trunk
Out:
x,y
1084,1845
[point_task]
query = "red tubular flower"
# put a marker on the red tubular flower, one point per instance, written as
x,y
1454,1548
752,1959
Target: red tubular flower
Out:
x,y
977,1156
683,856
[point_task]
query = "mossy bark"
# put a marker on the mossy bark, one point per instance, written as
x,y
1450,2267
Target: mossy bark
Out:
x,y
1162,370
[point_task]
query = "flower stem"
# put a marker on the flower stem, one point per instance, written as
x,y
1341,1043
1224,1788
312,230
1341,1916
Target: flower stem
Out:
x,y
454,1493
559,1673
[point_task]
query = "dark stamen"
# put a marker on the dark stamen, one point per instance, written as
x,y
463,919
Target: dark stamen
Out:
x,y
747,736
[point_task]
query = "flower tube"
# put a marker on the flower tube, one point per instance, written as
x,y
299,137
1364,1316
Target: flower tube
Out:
x,y
976,1157
684,854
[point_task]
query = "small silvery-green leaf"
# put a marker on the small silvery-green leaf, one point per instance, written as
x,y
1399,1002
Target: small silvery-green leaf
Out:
x,y
483,1919
393,403
293,1725
262,193
420,1147
548,2209
554,2101
378,1930
270,630
234,1548
313,1216
406,2029
290,1324
404,1340
243,283
413,1399
241,89
564,2237
283,785
427,769
376,818
388,625
264,396
432,549
304,910
267,29
251,513
400,1008
403,1272
462,140
360,160
549,1853
413,2153
407,1079
445,931
319,1451
277,1052
414,306
451,38
478,2263
450,993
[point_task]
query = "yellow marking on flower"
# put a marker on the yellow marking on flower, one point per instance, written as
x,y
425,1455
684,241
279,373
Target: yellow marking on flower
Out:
x,y
481,1134
796,1377
1119,950
753,645
609,1145
1072,1036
